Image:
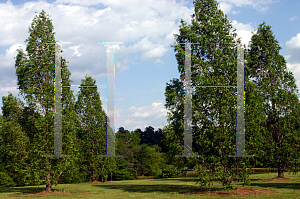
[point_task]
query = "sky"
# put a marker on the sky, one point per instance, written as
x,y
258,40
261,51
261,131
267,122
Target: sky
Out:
x,y
145,62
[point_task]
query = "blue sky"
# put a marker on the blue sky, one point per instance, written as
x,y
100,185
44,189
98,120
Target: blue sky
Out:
x,y
145,62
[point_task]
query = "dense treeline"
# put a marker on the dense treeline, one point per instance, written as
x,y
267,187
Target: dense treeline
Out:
x,y
271,114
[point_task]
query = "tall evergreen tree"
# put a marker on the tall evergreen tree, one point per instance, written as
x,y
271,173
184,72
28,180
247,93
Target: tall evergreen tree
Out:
x,y
36,82
92,131
214,62
277,84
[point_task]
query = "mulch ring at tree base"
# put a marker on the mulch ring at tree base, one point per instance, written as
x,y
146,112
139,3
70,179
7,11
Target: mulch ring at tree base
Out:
x,y
236,192
45,193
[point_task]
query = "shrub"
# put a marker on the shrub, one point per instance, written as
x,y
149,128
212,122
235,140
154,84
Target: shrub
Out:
x,y
6,180
169,172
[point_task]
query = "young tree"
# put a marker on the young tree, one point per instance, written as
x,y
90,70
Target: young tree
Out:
x,y
214,62
36,82
92,131
277,84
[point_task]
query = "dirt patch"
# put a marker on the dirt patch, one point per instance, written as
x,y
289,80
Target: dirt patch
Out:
x,y
236,192
274,179
45,193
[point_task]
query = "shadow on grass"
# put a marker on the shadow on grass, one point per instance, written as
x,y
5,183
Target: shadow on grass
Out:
x,y
162,188
24,190
180,179
278,185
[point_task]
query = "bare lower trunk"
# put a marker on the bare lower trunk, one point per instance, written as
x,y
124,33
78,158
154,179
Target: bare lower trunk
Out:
x,y
48,183
280,171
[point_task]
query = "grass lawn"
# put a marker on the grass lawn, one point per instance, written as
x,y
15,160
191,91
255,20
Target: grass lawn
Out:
x,y
163,188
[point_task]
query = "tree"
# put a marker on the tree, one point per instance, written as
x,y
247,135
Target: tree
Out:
x,y
151,137
14,142
35,81
91,131
150,160
269,70
213,109
127,145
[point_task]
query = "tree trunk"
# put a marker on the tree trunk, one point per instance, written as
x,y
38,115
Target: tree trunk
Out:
x,y
48,183
279,141
280,171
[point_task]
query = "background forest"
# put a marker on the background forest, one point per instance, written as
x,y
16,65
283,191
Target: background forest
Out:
x,y
271,113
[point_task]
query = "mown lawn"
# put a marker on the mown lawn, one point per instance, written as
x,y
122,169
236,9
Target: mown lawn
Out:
x,y
158,188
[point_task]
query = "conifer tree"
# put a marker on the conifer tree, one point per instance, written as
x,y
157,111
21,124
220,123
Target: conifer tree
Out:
x,y
214,62
281,105
92,132
36,83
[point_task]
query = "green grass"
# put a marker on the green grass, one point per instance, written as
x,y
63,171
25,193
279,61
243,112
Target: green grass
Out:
x,y
161,188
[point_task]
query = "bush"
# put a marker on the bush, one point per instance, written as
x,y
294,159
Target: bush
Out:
x,y
169,172
122,173
6,180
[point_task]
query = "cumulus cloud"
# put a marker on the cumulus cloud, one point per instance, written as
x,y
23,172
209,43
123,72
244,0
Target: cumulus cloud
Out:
x,y
149,25
293,49
244,31
292,57
143,116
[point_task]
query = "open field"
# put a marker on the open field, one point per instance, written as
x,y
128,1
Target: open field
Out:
x,y
165,188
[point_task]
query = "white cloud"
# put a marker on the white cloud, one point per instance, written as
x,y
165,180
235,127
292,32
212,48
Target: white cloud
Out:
x,y
295,68
149,25
143,116
260,5
75,48
235,12
244,31
158,61
293,18
293,49
287,57
294,42
156,104
226,7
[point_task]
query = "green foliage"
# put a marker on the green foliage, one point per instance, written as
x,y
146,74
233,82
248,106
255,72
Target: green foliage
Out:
x,y
150,160
14,152
6,180
169,171
281,141
35,75
213,109
151,137
91,132
121,172
140,159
